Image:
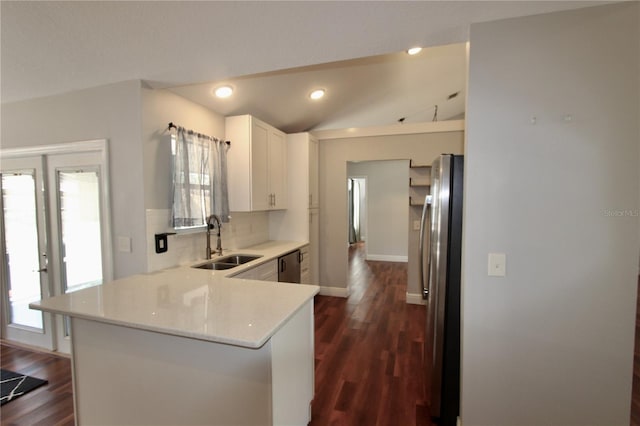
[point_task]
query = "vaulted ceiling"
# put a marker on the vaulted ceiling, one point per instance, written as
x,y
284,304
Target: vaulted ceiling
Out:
x,y
268,50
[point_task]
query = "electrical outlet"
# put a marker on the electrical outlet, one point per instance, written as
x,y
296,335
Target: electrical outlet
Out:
x,y
416,225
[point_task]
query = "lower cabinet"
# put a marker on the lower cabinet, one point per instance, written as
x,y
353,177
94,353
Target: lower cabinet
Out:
x,y
305,265
265,272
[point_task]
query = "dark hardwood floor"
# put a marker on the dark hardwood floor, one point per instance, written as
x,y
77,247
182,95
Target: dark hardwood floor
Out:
x,y
369,351
51,404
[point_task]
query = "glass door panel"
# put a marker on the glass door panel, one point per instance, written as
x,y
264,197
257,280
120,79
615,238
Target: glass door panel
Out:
x,y
24,276
22,249
54,236
79,200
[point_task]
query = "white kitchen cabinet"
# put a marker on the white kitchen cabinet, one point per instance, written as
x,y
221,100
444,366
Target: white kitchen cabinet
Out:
x,y
265,272
314,199
300,221
256,165
305,271
314,246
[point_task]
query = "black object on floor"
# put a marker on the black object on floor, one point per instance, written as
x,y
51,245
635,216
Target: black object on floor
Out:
x,y
13,385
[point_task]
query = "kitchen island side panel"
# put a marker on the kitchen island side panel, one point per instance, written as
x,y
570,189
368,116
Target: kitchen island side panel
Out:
x,y
130,376
293,363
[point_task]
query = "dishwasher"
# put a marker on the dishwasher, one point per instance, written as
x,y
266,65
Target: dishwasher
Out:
x,y
289,267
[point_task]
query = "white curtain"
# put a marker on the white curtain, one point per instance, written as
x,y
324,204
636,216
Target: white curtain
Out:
x,y
220,199
199,179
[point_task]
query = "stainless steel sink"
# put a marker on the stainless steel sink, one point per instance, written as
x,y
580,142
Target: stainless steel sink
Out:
x,y
227,262
237,259
215,266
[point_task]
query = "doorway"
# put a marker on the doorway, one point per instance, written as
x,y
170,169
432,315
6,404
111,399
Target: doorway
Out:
x,y
55,235
378,216
357,193
378,208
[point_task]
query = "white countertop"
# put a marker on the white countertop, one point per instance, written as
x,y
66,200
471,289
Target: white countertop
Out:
x,y
195,303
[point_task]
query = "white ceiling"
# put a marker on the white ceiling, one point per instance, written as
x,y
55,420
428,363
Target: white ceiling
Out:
x,y
54,47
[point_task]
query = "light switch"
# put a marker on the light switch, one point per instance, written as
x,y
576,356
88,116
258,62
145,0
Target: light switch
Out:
x,y
497,264
124,244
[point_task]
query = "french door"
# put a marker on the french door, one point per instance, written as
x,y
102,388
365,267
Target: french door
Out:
x,y
25,264
56,236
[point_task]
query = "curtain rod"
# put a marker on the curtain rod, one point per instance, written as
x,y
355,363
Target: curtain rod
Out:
x,y
173,126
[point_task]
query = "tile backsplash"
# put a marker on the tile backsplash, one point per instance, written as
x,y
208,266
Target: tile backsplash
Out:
x,y
243,230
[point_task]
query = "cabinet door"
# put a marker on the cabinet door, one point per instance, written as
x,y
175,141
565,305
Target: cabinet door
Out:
x,y
314,245
313,173
278,169
249,274
260,195
267,271
305,273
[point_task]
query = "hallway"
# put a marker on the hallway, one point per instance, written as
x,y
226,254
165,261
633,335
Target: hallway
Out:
x,y
369,350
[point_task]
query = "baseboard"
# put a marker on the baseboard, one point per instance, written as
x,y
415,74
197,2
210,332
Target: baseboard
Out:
x,y
34,348
334,291
386,258
415,299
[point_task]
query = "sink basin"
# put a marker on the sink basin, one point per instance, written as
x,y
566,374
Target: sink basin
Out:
x,y
227,262
216,266
237,259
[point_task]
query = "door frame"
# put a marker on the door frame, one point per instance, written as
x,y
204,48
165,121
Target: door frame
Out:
x,y
95,146
25,334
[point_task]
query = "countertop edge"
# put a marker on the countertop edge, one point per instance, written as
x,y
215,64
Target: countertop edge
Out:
x,y
179,333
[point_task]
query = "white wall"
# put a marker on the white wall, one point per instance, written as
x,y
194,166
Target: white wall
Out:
x,y
159,107
422,148
552,342
387,207
109,112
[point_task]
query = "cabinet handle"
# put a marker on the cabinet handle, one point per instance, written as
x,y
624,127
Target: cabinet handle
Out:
x,y
274,200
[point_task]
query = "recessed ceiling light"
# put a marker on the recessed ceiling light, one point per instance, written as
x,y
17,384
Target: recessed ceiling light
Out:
x,y
317,94
224,91
414,50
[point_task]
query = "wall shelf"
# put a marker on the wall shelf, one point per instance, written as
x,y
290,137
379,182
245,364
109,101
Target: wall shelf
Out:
x,y
413,165
413,202
419,182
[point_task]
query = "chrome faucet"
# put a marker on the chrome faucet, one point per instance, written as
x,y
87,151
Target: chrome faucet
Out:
x,y
213,221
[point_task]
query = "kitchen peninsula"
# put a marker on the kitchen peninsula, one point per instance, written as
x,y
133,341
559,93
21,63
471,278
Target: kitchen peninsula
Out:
x,y
192,346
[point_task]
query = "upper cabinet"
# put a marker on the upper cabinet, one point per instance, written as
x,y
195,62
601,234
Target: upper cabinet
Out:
x,y
300,221
303,170
257,165
314,199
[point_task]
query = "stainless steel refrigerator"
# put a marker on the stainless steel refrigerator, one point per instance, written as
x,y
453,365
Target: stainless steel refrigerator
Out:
x,y
440,254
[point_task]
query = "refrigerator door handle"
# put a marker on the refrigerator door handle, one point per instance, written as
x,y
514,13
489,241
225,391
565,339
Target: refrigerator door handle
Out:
x,y
423,222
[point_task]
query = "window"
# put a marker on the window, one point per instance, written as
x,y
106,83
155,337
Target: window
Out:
x,y
191,179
